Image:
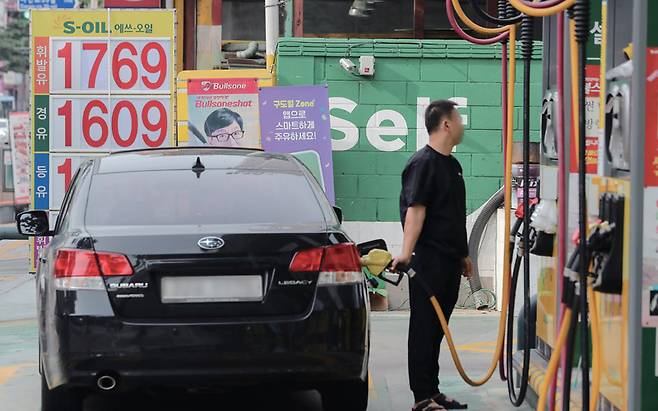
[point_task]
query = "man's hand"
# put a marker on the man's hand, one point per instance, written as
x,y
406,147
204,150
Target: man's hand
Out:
x,y
467,267
403,259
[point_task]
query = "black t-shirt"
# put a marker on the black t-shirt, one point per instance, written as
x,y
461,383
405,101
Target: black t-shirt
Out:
x,y
435,181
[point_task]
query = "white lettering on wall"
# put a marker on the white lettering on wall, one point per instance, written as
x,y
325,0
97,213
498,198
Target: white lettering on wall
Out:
x,y
349,130
462,102
375,130
422,138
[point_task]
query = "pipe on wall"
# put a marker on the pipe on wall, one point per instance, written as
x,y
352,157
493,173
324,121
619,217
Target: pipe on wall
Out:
x,y
271,30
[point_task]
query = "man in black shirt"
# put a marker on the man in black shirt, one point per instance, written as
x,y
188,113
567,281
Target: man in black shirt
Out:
x,y
433,214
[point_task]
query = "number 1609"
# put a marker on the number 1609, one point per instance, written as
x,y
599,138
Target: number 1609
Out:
x,y
96,123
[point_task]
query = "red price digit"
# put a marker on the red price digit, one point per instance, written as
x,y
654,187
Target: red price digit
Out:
x,y
119,62
160,68
159,126
65,111
65,169
65,53
101,48
88,120
133,123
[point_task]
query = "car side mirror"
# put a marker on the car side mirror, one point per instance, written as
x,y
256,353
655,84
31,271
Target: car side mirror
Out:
x,y
365,248
33,223
339,214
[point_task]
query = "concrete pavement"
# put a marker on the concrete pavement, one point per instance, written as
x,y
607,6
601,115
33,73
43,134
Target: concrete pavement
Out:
x,y
19,378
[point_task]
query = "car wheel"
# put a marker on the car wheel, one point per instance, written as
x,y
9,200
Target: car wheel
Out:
x,y
346,396
60,399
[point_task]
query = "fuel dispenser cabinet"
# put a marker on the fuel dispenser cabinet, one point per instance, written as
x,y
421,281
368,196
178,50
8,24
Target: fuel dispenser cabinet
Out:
x,y
622,241
619,263
609,200
550,132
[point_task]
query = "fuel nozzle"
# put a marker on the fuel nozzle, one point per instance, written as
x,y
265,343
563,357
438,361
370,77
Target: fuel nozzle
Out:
x,y
516,228
379,261
600,260
544,222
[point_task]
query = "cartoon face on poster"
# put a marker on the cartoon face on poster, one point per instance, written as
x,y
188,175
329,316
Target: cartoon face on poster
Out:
x,y
223,113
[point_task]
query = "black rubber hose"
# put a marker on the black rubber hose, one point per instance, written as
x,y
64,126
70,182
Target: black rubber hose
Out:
x,y
580,15
510,11
501,20
512,244
509,343
517,399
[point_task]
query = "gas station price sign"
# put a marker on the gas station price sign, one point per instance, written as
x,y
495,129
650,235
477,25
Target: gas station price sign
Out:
x,y
102,81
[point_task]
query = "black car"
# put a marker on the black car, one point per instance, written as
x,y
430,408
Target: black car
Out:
x,y
199,268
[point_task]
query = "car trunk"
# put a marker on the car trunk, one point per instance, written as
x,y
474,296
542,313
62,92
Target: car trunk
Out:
x,y
175,279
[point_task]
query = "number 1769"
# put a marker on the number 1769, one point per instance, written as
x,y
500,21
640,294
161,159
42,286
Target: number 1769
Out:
x,y
90,65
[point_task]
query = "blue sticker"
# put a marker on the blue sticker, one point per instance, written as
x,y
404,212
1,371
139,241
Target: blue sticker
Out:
x,y
41,181
46,4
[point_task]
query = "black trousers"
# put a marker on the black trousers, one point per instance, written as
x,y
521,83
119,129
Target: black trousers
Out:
x,y
443,276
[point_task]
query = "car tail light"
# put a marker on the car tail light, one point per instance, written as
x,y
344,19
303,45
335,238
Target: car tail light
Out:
x,y
341,257
76,263
338,264
114,264
307,260
83,269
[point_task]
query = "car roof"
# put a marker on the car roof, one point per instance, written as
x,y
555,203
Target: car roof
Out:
x,y
184,158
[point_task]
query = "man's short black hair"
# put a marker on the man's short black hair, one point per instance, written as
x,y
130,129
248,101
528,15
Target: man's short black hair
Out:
x,y
436,112
221,118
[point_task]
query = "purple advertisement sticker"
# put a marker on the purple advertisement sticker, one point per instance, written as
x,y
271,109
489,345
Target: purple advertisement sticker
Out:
x,y
295,120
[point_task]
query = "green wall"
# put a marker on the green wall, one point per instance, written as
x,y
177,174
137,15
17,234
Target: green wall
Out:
x,y
368,161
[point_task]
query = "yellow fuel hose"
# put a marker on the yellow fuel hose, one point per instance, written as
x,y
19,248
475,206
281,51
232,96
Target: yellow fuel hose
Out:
x,y
541,12
596,349
573,57
506,276
554,361
473,25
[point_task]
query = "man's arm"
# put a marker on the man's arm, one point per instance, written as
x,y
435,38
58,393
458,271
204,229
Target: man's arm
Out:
x,y
413,225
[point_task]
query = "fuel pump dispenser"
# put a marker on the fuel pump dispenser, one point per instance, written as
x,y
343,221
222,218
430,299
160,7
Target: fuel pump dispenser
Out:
x,y
599,186
609,211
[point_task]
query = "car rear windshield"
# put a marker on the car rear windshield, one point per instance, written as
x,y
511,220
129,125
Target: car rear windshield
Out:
x,y
179,197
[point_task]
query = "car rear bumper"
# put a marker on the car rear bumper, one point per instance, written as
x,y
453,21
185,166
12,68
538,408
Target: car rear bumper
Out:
x,y
329,345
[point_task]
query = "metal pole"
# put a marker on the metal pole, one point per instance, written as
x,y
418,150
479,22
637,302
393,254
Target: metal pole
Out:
x,y
93,4
638,115
290,18
298,9
190,24
169,4
419,19
271,30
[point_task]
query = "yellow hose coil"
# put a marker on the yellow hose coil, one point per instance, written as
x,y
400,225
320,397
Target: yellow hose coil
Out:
x,y
473,25
537,12
506,275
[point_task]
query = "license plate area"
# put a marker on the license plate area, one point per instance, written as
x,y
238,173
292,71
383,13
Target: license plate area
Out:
x,y
211,289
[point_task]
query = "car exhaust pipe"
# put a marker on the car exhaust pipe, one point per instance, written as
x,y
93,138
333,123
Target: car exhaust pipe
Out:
x,y
106,382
